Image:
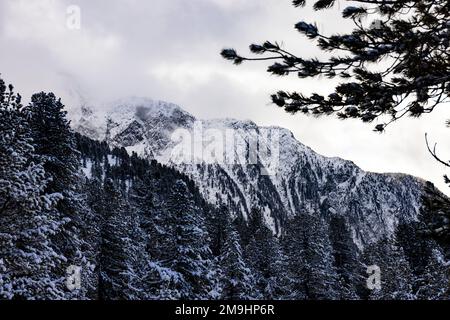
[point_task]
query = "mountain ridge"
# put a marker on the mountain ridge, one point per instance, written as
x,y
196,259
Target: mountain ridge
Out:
x,y
301,181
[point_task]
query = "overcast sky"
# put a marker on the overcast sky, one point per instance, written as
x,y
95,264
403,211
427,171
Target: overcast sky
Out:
x,y
169,50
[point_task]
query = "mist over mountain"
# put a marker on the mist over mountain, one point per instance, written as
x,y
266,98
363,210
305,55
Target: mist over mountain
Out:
x,y
297,181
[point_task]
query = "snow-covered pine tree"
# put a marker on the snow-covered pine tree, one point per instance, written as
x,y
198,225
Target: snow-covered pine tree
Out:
x,y
322,277
144,199
91,236
396,274
310,258
236,279
435,281
346,259
159,281
266,259
218,222
426,259
189,249
148,197
279,284
435,216
294,241
123,258
28,218
137,275
416,247
54,142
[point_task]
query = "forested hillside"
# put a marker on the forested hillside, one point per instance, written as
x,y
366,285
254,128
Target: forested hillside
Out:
x,y
140,230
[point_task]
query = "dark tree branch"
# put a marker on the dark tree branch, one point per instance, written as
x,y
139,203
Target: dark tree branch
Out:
x,y
412,36
434,153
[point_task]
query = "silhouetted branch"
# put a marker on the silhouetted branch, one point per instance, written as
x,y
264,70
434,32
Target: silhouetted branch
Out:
x,y
433,152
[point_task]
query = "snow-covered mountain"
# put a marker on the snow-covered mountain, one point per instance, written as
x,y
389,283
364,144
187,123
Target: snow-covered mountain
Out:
x,y
241,165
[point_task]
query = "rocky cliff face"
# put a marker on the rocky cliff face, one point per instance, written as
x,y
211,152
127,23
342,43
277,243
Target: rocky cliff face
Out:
x,y
241,165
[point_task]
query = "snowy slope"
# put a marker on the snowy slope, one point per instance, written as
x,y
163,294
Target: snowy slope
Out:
x,y
281,176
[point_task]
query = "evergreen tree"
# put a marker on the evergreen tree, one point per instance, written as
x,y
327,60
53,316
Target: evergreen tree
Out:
x,y
435,214
266,259
54,142
91,236
28,218
396,274
218,223
294,240
346,259
279,283
191,255
159,282
310,258
434,282
123,259
236,279
417,248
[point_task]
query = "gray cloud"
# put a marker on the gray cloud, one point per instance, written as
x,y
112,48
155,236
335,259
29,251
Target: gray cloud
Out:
x,y
169,50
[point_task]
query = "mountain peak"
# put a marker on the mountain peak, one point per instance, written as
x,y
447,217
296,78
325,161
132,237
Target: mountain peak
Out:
x,y
143,107
281,176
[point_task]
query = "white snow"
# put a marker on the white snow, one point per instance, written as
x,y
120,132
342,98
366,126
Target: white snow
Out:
x,y
87,170
378,208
